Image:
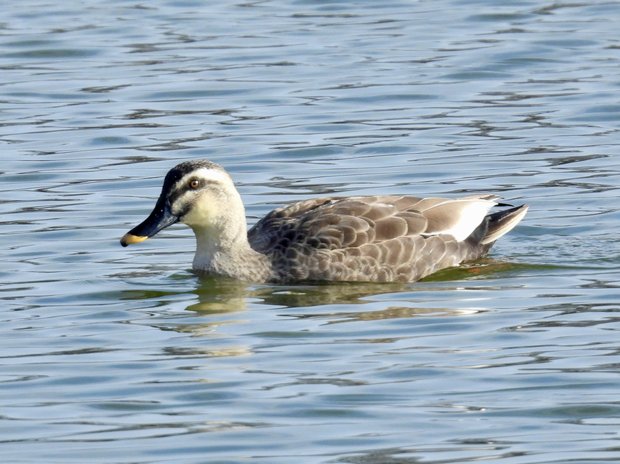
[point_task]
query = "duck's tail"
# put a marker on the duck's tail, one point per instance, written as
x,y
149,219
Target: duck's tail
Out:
x,y
502,222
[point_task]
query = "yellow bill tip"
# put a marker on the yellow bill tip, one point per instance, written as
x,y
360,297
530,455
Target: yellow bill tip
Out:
x,y
130,239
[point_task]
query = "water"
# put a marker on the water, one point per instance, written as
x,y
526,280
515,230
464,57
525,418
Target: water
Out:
x,y
114,355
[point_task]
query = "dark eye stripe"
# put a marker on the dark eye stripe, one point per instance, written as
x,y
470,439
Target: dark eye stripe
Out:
x,y
173,195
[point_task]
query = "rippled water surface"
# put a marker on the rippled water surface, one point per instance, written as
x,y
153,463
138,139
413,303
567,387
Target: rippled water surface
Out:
x,y
114,355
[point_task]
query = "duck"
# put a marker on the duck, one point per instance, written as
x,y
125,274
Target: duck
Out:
x,y
383,238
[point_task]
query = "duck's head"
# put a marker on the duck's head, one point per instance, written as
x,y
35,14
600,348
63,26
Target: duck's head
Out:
x,y
200,194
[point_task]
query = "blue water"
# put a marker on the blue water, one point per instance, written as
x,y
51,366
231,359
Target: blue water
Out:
x,y
112,355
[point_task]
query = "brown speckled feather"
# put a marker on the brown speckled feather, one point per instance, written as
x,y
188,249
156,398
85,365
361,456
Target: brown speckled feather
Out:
x,y
381,238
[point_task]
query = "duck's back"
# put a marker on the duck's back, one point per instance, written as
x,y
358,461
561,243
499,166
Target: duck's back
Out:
x,y
375,239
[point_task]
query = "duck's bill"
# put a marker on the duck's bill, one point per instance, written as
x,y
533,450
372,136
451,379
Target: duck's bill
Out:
x,y
160,218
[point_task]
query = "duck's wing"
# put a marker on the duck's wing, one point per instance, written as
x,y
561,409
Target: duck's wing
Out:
x,y
272,229
335,223
380,239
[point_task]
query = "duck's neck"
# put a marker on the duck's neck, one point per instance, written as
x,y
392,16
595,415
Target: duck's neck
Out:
x,y
223,249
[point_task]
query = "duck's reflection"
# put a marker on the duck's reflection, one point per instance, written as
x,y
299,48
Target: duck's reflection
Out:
x,y
217,295
219,302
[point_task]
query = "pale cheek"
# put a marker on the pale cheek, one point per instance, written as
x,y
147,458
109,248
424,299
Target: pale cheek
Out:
x,y
202,213
197,215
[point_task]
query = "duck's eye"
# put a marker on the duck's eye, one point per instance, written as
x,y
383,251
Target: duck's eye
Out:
x,y
194,184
